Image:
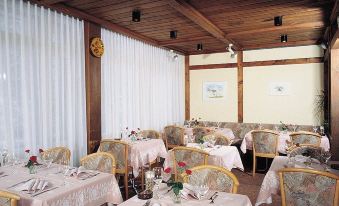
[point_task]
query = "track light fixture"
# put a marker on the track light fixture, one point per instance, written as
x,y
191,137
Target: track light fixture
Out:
x,y
136,15
173,34
283,38
199,47
173,55
231,51
278,20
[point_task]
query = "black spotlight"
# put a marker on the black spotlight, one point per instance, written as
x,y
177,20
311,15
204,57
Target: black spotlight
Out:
x,y
173,34
278,20
283,38
199,47
136,15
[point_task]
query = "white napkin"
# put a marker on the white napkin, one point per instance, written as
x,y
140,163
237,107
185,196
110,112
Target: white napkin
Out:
x,y
188,191
75,171
33,185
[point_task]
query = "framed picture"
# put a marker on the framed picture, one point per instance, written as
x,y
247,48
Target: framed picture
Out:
x,y
214,91
279,88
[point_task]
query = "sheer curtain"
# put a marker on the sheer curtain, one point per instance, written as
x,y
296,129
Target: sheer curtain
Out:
x,y
142,85
42,82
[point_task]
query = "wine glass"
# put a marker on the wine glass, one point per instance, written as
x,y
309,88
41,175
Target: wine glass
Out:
x,y
158,176
276,128
260,126
294,126
202,190
315,129
327,156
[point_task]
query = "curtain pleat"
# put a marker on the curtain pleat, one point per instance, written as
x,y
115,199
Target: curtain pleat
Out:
x,y
42,80
142,85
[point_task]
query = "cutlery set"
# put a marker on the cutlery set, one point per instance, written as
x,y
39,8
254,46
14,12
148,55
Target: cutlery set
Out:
x,y
213,197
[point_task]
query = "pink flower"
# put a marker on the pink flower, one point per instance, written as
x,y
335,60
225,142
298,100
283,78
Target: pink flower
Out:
x,y
167,170
27,150
132,132
189,172
181,164
41,150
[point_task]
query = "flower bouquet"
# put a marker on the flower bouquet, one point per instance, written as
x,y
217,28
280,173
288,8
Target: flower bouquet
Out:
x,y
32,161
177,186
134,134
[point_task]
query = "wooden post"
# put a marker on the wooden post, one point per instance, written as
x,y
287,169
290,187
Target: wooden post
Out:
x,y
93,89
334,104
240,86
187,87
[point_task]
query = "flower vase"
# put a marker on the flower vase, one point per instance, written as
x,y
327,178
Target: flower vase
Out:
x,y
133,138
176,198
32,169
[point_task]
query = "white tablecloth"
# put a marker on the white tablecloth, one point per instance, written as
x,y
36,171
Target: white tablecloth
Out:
x,y
224,131
223,156
70,191
247,142
222,199
142,152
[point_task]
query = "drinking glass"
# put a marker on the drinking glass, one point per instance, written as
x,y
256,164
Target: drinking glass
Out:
x,y
315,129
158,176
294,127
327,156
260,126
276,128
202,190
218,124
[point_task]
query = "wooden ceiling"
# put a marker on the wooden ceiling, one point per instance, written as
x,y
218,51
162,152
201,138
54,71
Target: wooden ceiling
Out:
x,y
248,24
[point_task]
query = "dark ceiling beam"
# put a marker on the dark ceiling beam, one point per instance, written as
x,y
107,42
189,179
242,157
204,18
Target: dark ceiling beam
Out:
x,y
335,11
183,41
105,24
283,28
194,15
49,2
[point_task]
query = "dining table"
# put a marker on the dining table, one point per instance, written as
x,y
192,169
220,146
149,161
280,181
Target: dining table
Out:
x,y
165,199
92,188
219,155
247,142
143,151
271,183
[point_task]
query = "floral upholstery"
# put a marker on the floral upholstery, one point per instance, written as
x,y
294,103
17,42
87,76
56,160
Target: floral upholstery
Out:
x,y
305,138
219,139
215,179
59,155
5,201
200,132
264,142
102,161
152,134
302,188
174,135
117,149
191,157
240,129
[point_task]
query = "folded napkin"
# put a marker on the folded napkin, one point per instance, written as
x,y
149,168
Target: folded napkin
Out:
x,y
75,171
188,192
300,158
33,185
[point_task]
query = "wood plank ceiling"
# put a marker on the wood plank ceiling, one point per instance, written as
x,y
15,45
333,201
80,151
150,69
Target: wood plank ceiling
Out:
x,y
214,23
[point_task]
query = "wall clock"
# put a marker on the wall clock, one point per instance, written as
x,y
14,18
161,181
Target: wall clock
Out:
x,y
97,47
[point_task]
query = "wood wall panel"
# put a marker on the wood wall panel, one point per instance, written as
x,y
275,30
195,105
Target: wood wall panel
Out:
x,y
93,89
240,87
334,104
187,88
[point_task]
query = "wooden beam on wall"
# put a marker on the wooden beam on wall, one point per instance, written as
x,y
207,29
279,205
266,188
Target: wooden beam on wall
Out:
x,y
334,103
240,87
187,88
213,66
259,63
194,15
93,89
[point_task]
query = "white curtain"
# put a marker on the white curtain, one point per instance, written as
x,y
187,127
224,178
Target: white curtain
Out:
x,y
142,85
42,82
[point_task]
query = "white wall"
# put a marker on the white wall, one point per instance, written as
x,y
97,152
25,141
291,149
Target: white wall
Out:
x,y
305,80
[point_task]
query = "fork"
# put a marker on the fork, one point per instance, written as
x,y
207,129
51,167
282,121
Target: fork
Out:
x,y
212,201
147,203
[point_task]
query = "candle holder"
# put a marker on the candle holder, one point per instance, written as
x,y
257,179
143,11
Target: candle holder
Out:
x,y
149,176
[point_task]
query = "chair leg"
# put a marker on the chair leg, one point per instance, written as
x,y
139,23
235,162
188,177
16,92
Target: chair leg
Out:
x,y
126,185
254,165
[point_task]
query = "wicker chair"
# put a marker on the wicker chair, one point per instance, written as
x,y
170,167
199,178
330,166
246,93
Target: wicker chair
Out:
x,y
8,199
217,178
119,150
190,156
174,136
101,161
219,139
200,132
59,155
265,144
305,138
152,134
301,187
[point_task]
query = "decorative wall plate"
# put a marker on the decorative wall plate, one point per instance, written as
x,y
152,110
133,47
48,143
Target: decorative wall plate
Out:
x,y
97,47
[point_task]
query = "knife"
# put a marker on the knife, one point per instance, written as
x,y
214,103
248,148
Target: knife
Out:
x,y
22,182
43,191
